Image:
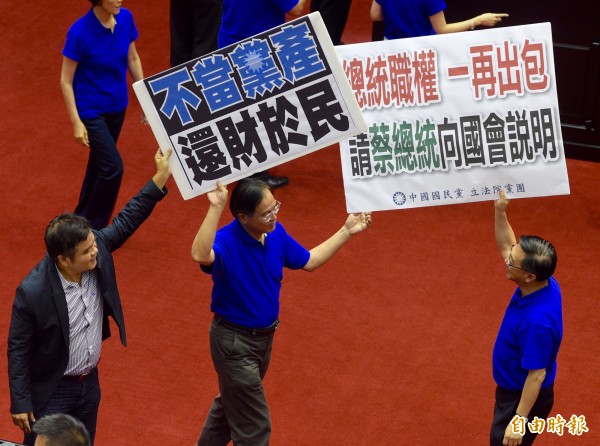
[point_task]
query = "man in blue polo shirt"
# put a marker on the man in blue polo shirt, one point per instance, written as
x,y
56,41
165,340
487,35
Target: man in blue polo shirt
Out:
x,y
246,259
524,358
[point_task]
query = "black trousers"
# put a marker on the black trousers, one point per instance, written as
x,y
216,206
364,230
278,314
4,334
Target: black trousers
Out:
x,y
79,398
506,407
335,15
104,170
240,412
194,28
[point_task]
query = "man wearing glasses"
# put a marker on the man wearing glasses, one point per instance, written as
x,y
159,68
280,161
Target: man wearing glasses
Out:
x,y
246,259
524,358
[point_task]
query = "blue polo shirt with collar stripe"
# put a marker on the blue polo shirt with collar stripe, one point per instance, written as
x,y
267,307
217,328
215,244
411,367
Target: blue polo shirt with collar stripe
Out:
x,y
247,275
100,81
529,337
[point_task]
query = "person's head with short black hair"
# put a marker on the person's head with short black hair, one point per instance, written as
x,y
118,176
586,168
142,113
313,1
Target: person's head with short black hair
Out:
x,y
540,257
246,196
64,233
60,430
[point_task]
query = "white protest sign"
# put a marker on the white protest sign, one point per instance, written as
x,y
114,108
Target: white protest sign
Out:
x,y
453,118
253,105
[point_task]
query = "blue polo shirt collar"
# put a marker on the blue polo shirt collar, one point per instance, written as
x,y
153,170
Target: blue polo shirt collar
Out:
x,y
530,298
244,235
95,24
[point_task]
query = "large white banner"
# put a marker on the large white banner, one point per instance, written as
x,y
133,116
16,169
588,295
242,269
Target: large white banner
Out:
x,y
253,105
453,118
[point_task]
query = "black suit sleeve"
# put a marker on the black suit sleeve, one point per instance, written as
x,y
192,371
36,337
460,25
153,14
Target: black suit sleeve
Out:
x,y
20,347
131,216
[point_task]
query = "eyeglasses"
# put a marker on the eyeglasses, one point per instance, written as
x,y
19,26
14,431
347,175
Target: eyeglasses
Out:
x,y
270,216
509,260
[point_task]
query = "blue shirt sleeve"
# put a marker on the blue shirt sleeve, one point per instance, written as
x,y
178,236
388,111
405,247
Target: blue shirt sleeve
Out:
x,y
286,5
133,32
536,344
435,6
72,48
296,256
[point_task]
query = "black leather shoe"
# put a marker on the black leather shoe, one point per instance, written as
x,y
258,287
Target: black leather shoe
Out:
x,y
275,182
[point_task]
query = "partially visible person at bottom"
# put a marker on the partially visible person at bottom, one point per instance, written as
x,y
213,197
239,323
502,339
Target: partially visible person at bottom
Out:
x,y
194,26
335,15
98,52
524,358
242,19
61,309
60,430
246,259
415,18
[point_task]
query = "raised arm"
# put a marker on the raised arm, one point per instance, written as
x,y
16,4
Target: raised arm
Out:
x,y
438,22
139,208
505,236
67,73
202,251
321,254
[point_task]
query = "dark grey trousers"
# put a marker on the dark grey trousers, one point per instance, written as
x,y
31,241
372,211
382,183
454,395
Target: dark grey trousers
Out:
x,y
240,411
506,406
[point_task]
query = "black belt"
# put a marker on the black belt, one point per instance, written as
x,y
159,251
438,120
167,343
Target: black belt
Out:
x,y
83,377
246,330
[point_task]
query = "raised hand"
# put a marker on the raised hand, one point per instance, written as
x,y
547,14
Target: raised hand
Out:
x,y
218,197
358,222
502,202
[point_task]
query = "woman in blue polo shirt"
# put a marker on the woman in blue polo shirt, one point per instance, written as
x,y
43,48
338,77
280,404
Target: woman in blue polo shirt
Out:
x,y
414,18
98,52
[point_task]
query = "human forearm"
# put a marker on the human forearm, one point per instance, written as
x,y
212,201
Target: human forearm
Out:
x,y
67,75
531,391
455,27
160,179
322,253
134,64
69,98
202,247
438,22
505,236
355,224
136,71
205,238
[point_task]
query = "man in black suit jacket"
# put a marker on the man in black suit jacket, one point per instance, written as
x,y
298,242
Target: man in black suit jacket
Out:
x,y
61,309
